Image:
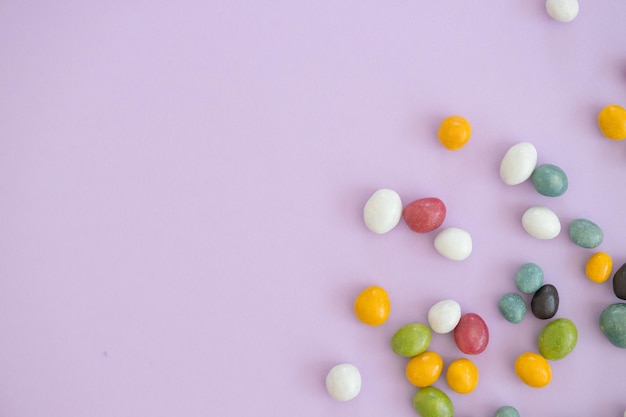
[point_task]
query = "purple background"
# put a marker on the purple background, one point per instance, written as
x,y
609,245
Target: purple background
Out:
x,y
182,186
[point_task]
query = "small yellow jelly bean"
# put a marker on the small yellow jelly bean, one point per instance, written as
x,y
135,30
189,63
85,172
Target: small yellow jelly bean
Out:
x,y
424,369
454,132
462,376
612,122
599,266
372,306
533,369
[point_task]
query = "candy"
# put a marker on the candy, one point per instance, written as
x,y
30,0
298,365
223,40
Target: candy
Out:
x,y
424,215
612,122
518,163
471,335
585,233
562,10
549,180
454,243
432,402
424,369
598,267
613,324
444,315
512,307
462,376
454,132
382,211
507,411
545,302
411,340
533,369
343,382
528,278
541,222
372,306
557,339
619,282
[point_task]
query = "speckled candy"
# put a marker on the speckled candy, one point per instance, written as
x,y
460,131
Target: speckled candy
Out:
x,y
549,180
545,302
432,402
411,340
613,324
507,411
424,215
529,278
471,335
585,233
619,282
512,307
557,339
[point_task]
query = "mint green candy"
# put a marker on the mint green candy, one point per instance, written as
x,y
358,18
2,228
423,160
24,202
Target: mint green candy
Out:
x,y
432,402
411,340
557,339
613,324
549,180
529,278
585,233
512,307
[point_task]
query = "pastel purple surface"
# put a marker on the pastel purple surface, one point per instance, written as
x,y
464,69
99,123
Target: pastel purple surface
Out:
x,y
182,185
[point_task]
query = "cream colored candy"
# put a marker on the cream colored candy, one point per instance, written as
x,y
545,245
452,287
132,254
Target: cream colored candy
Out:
x,y
444,315
454,243
343,382
541,222
562,10
518,163
382,211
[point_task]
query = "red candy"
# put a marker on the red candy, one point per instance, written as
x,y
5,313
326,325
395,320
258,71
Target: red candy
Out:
x,y
424,215
471,334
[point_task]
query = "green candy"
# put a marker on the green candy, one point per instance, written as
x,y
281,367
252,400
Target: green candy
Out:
x,y
549,180
512,307
529,278
613,324
558,339
411,340
507,411
585,233
432,402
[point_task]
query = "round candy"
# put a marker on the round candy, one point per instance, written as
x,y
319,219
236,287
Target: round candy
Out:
x,y
528,278
585,233
512,307
518,163
598,267
382,211
613,324
372,306
549,180
619,282
444,315
454,132
557,339
471,335
533,369
545,302
562,10
432,402
343,382
541,222
612,122
507,411
411,339
424,369
424,215
462,376
454,243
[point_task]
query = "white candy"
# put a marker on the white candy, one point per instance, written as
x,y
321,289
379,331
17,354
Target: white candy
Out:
x,y
518,163
444,316
343,382
382,211
454,243
562,10
541,222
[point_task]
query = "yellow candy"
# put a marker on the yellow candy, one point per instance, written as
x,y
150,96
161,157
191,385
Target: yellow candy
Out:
x,y
533,369
454,132
372,306
424,369
462,376
612,122
599,266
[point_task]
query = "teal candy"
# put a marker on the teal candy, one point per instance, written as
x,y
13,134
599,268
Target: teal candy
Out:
x,y
549,180
529,278
507,411
512,307
585,233
613,324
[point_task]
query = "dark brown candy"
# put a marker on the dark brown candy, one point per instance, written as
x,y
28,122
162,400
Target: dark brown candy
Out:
x,y
545,302
619,282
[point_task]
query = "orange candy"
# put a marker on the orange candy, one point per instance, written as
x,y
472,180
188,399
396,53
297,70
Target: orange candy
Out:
x,y
612,122
454,132
424,369
372,306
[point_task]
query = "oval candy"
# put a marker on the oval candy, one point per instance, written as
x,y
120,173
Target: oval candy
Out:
x,y
549,180
512,307
444,315
545,302
462,376
507,411
562,10
585,233
557,339
533,369
471,335
454,243
432,402
343,382
372,306
424,215
454,132
540,222
424,369
598,267
613,324
612,122
382,211
529,278
411,340
619,283
518,163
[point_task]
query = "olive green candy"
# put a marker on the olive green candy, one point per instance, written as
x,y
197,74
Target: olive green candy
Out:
x,y
411,340
557,339
432,402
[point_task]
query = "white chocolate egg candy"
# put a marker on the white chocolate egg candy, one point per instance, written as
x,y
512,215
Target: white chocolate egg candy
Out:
x,y
382,211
